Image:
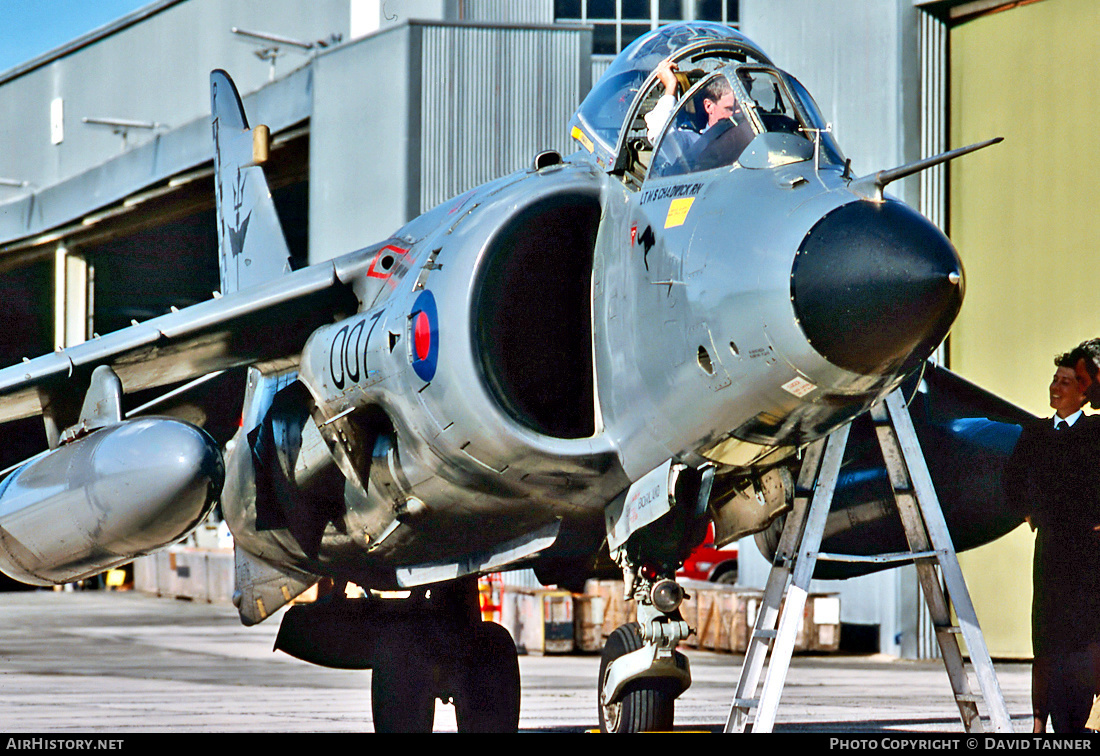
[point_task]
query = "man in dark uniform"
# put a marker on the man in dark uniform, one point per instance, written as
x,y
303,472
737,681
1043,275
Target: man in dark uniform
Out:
x,y
1054,476
1087,365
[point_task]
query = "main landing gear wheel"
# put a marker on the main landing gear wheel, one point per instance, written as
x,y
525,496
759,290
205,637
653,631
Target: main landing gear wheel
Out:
x,y
402,692
488,690
647,704
437,647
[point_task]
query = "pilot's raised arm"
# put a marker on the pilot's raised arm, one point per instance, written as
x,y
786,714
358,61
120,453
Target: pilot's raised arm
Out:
x,y
656,118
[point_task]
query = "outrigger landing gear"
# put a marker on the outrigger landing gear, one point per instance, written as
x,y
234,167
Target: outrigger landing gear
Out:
x,y
641,672
430,646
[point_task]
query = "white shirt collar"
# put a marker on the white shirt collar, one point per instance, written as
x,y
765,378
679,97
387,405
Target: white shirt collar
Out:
x,y
1070,420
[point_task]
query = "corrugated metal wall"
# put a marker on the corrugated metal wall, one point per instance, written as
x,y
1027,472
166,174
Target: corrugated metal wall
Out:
x,y
933,58
493,98
933,140
860,65
599,65
508,11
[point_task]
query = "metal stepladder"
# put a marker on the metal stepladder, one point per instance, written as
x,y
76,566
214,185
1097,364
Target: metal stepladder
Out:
x,y
930,545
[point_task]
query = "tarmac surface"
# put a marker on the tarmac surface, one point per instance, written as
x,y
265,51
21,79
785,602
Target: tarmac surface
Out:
x,y
99,662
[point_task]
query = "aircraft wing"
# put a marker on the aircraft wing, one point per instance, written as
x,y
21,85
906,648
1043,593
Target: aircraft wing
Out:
x,y
263,323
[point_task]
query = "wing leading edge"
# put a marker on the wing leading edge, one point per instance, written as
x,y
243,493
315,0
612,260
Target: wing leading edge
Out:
x,y
265,323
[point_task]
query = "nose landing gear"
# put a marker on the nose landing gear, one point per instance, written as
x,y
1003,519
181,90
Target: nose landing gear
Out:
x,y
641,672
652,528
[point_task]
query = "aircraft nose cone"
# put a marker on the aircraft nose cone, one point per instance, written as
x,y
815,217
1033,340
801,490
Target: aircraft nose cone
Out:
x,y
876,287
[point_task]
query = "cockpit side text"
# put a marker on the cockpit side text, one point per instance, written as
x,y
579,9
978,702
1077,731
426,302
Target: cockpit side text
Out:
x,y
669,192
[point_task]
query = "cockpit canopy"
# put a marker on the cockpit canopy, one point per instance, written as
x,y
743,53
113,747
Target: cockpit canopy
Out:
x,y
770,110
603,111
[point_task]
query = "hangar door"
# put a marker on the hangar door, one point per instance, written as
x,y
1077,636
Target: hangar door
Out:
x,y
1024,217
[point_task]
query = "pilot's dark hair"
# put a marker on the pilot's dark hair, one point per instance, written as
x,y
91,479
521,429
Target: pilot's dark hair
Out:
x,y
716,89
1089,351
1067,359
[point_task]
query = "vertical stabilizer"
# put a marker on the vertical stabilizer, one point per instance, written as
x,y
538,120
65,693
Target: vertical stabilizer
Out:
x,y
251,245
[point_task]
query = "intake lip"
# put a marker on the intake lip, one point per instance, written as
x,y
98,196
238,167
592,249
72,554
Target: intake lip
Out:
x,y
876,287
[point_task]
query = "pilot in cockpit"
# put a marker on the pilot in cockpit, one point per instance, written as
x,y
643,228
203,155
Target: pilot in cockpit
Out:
x,y
702,144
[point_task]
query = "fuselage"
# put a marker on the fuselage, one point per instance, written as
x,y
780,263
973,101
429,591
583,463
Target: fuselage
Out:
x,y
690,349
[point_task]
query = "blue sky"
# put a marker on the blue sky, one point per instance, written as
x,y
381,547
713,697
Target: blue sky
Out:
x,y
29,28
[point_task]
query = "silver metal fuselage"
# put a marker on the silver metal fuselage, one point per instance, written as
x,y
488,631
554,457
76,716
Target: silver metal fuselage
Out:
x,y
460,474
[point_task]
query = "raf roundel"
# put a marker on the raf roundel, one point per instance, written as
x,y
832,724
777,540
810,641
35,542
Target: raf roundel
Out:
x,y
424,324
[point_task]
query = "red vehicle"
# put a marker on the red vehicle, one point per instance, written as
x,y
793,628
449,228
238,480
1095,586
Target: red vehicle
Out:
x,y
709,562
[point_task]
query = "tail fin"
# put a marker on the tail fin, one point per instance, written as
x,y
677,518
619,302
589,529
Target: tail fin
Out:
x,y
251,245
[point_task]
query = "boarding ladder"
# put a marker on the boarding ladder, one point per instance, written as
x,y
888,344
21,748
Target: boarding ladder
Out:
x,y
930,545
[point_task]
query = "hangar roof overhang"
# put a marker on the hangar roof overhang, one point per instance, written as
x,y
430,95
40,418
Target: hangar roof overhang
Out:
x,y
170,176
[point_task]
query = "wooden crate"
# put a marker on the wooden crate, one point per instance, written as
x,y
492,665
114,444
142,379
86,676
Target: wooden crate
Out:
x,y
540,621
819,626
719,614
722,616
616,610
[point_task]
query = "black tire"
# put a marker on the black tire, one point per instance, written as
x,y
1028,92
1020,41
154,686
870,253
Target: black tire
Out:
x,y
726,577
647,705
487,698
402,692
